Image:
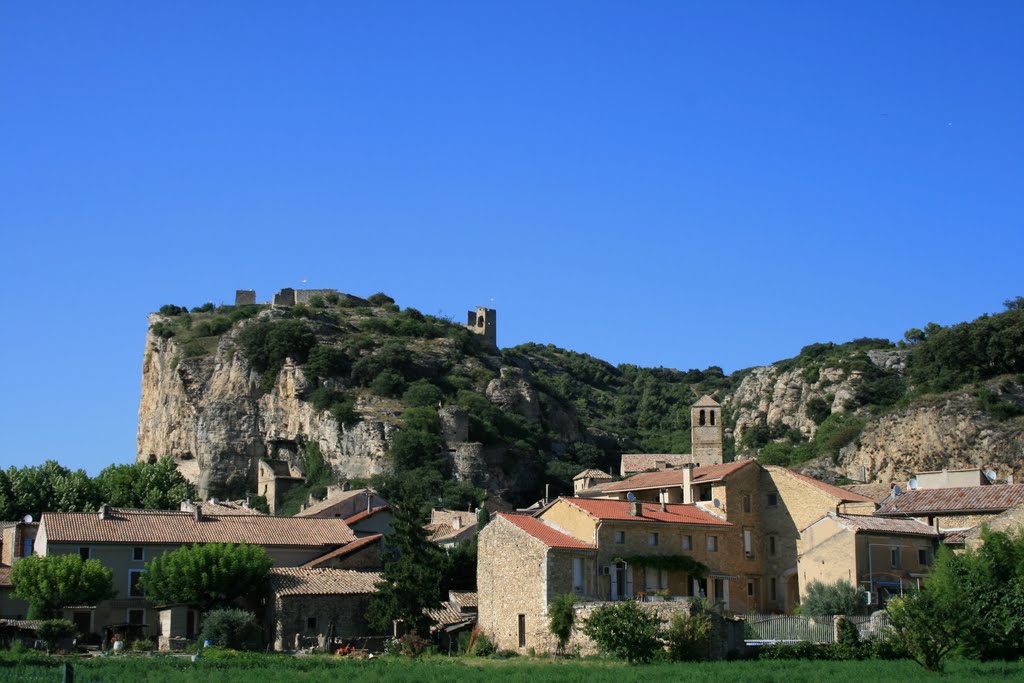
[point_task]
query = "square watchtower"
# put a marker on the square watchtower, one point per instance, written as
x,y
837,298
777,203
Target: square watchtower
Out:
x,y
483,321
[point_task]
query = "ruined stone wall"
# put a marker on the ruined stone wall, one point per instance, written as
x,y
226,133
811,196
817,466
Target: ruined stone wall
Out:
x,y
302,296
245,297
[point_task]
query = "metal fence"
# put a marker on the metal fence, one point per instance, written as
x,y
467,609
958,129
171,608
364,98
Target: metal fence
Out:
x,y
821,629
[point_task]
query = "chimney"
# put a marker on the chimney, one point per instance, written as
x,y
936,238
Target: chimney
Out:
x,y
457,522
104,511
636,508
197,512
687,482
1009,479
664,505
213,501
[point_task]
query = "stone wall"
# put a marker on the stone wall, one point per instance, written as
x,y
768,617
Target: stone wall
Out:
x,y
726,638
512,581
454,424
302,296
291,614
245,297
286,297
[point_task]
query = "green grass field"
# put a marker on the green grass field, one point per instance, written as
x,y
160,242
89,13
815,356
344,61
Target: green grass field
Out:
x,y
279,669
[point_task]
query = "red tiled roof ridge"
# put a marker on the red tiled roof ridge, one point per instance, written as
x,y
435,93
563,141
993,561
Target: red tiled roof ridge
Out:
x,y
996,497
545,532
619,510
704,474
363,514
343,551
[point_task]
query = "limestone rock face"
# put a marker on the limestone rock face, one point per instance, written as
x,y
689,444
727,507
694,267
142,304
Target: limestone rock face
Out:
x,y
770,394
210,415
949,432
514,393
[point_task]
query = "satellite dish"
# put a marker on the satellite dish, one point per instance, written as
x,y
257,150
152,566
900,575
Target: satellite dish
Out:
x,y
630,497
27,519
717,503
896,490
991,475
912,484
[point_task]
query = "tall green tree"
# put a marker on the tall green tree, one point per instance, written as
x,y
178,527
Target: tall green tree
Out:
x,y
47,487
156,486
50,583
206,576
412,578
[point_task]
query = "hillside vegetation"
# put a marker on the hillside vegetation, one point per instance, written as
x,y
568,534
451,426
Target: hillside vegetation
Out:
x,y
543,413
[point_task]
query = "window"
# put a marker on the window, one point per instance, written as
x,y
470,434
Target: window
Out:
x,y
751,589
924,557
771,546
712,416
746,503
773,500
136,617
85,553
719,590
138,554
712,544
652,538
687,542
748,543
773,589
702,418
577,574
705,493
894,558
620,536
310,623
134,589
522,630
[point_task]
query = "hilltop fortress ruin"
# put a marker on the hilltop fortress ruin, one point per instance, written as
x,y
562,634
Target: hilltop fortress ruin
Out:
x,y
483,321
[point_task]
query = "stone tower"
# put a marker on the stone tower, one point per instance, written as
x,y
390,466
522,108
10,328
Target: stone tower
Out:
x,y
706,431
483,321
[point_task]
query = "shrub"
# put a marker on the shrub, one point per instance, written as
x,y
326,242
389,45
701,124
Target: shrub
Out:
x,y
205,308
143,644
562,614
480,645
388,383
625,631
840,597
688,635
380,299
422,393
52,631
231,628
172,310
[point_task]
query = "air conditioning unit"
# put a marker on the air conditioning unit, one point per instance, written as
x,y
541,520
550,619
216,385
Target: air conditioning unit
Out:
x,y
606,570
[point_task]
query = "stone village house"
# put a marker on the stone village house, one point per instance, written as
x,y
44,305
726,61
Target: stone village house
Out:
x,y
125,539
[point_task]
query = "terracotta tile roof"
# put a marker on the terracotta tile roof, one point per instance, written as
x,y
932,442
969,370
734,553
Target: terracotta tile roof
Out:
x,y
448,614
887,526
172,527
345,550
365,514
843,495
5,576
452,517
876,492
446,533
619,511
593,474
545,533
297,581
465,598
966,499
330,501
668,478
221,507
955,536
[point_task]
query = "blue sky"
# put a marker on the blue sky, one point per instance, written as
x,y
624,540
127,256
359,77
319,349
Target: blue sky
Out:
x,y
680,184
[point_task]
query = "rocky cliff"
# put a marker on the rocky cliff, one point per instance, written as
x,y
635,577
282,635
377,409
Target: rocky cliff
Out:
x,y
224,389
